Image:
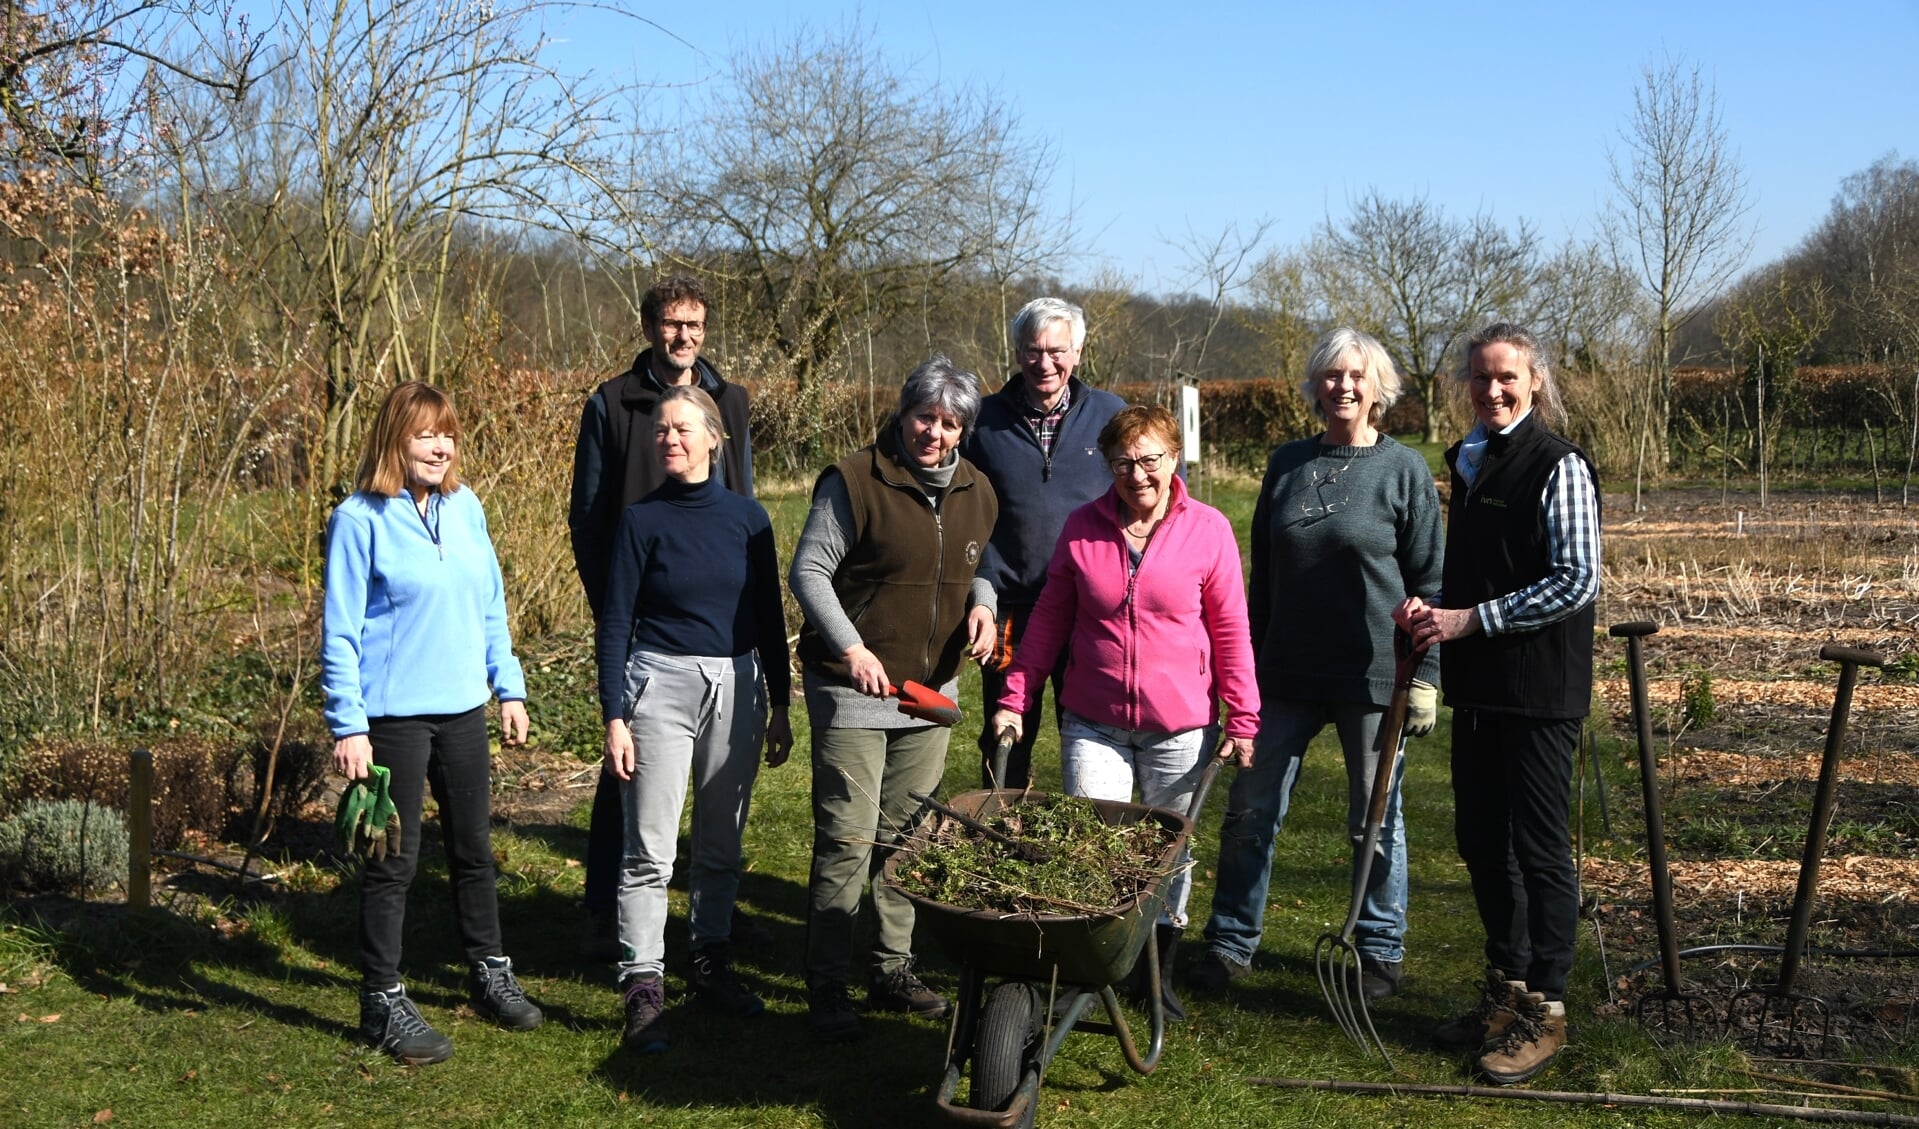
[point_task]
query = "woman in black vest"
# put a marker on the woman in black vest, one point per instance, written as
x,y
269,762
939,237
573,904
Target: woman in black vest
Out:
x,y
1516,617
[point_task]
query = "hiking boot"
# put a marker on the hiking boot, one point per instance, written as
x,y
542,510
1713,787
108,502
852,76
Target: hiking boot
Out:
x,y
902,990
646,1028
1523,1049
600,939
1488,1018
389,1021
713,980
748,932
1379,979
1215,971
830,1013
495,993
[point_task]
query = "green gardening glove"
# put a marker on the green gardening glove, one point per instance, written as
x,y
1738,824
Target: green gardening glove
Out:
x,y
367,820
383,818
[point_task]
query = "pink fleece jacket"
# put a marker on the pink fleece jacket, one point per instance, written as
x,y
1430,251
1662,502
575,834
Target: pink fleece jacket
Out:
x,y
1153,650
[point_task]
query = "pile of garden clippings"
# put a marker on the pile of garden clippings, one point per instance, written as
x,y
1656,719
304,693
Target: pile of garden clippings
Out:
x,y
1091,867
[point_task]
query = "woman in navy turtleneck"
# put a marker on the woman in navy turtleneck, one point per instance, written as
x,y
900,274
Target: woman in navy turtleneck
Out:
x,y
691,648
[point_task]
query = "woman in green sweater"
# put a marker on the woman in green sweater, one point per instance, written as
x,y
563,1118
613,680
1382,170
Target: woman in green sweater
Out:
x,y
1347,525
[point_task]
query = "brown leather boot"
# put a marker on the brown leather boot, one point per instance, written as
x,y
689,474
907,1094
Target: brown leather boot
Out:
x,y
1537,1033
1488,1018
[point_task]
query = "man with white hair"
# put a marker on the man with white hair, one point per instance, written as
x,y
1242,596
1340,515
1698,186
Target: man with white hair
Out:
x,y
1037,441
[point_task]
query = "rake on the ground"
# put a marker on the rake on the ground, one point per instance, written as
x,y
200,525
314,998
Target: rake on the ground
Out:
x,y
1335,959
1776,1020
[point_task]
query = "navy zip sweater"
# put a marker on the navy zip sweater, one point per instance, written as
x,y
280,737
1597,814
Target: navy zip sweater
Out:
x,y
1035,491
694,571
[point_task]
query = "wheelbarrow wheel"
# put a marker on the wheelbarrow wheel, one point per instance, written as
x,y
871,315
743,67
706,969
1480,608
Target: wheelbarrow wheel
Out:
x,y
1006,1029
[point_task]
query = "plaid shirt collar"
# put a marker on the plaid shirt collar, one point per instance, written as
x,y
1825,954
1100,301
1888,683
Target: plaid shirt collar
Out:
x,y
1045,421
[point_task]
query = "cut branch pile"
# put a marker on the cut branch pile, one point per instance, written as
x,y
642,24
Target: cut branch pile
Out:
x,y
1090,867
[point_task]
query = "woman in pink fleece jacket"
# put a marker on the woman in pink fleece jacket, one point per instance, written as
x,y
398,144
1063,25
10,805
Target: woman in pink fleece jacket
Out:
x,y
1146,595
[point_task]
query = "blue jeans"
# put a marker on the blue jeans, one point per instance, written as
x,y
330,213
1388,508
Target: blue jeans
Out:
x,y
1256,809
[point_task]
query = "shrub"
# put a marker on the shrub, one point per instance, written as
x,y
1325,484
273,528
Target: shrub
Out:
x,y
65,845
1696,699
191,778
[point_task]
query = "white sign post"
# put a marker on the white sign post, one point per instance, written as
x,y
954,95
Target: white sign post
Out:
x,y
1189,422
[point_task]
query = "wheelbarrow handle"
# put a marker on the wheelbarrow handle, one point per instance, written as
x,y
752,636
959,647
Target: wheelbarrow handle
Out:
x,y
1002,753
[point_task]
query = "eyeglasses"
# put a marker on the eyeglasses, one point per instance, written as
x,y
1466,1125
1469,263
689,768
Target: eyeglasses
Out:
x,y
1031,356
693,327
1123,468
1325,508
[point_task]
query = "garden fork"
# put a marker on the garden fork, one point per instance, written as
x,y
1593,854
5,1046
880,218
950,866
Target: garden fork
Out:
x,y
1673,1010
1335,959
1776,1020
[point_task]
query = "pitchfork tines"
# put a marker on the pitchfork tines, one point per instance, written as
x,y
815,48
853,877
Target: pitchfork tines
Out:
x,y
1338,966
1335,960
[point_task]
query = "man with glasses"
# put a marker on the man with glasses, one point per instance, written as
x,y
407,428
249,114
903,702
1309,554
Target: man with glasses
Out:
x,y
616,464
1037,441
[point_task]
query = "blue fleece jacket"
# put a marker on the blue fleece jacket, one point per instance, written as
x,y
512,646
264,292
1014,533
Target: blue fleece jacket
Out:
x,y
415,617
1036,492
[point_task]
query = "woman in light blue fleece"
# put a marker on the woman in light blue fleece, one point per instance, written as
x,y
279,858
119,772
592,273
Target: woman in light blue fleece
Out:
x,y
414,643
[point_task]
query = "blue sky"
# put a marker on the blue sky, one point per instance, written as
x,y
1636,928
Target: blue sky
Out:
x,y
1197,114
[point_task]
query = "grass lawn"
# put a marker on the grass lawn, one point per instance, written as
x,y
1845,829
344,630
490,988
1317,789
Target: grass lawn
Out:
x,y
243,1015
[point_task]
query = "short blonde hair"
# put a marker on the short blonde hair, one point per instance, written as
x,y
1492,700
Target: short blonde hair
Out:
x,y
409,409
1374,362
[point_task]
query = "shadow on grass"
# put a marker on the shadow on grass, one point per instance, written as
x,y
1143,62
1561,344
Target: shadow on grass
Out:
x,y
163,962
884,1078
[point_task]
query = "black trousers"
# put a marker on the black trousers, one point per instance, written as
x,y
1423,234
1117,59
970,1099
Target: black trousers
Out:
x,y
992,683
605,845
1512,794
449,753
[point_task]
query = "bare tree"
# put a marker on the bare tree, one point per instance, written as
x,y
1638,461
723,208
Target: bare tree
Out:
x,y
392,139
1420,281
1677,219
840,192
1771,322
72,74
1216,266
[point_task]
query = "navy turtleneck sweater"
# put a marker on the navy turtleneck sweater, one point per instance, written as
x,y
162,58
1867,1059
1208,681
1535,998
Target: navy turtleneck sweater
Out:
x,y
694,572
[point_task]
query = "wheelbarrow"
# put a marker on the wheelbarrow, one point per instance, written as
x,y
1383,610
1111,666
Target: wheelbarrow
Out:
x,y
1050,969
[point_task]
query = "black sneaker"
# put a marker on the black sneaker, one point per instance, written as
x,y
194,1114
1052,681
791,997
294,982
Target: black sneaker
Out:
x,y
389,1021
646,1028
714,981
496,994
830,1013
901,990
1379,979
1215,971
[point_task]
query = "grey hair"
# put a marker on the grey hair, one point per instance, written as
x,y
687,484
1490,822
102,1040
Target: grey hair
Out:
x,y
703,403
943,384
1520,338
1374,363
1039,313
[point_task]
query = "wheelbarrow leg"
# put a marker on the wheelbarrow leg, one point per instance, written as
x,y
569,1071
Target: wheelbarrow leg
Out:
x,y
1777,1020
1671,1011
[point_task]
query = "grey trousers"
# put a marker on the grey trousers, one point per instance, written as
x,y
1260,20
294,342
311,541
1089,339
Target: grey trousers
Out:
x,y
706,715
861,778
